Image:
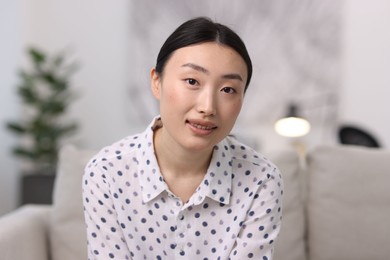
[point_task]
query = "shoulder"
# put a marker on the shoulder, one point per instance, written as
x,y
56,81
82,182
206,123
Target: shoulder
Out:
x,y
245,159
121,148
243,153
124,153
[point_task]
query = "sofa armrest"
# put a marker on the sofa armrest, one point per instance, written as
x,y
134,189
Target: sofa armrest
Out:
x,y
24,233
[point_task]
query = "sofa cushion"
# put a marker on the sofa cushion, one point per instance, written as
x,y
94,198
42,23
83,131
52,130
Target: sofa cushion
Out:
x,y
67,232
24,233
291,242
349,203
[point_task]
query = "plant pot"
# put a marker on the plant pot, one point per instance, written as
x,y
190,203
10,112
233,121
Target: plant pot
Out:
x,y
37,189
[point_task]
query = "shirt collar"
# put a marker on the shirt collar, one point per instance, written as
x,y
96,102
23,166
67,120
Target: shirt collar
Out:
x,y
151,180
215,185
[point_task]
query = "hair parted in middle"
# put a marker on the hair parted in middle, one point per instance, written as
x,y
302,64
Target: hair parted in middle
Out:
x,y
199,30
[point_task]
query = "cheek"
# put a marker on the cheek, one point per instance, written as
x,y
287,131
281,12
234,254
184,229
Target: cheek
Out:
x,y
173,98
175,95
235,107
229,111
167,92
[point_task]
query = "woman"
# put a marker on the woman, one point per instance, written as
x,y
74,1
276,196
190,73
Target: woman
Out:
x,y
183,188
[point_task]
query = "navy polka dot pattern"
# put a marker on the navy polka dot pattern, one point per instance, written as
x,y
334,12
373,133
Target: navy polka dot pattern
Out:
x,y
130,213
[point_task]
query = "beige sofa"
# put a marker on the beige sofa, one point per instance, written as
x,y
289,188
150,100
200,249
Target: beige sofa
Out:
x,y
336,206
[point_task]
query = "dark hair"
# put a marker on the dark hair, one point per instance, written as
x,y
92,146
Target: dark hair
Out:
x,y
199,30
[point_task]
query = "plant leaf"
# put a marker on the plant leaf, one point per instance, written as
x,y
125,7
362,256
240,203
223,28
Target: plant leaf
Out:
x,y
24,152
53,107
16,128
28,94
36,55
68,129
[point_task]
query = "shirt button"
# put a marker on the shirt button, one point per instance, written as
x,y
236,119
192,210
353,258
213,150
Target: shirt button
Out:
x,y
181,217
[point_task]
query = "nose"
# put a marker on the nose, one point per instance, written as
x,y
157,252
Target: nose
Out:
x,y
207,103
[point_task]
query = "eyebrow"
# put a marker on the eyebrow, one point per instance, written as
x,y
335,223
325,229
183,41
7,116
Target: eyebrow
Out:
x,y
204,70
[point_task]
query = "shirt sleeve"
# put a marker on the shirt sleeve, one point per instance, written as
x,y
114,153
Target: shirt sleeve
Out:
x,y
262,224
104,234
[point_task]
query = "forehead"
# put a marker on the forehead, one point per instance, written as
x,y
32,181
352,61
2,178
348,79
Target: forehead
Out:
x,y
211,55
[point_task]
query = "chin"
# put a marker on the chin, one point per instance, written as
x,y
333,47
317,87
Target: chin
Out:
x,y
197,145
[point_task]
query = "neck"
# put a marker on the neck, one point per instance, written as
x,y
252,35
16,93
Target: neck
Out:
x,y
178,161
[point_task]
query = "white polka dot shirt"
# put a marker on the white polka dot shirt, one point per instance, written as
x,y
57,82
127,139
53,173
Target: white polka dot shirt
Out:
x,y
130,213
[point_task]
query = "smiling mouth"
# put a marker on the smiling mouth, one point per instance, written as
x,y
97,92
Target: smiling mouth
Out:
x,y
202,126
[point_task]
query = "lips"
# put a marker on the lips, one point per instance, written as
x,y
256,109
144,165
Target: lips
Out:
x,y
204,126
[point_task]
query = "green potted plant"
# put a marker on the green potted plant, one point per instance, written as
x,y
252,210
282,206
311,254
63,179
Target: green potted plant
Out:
x,y
45,92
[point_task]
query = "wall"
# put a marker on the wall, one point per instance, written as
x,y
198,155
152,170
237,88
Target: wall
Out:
x,y
366,83
11,42
97,34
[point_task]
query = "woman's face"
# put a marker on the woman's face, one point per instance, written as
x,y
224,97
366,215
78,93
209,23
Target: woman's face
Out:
x,y
201,91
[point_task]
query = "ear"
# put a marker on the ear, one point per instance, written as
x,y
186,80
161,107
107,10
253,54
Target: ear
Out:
x,y
155,82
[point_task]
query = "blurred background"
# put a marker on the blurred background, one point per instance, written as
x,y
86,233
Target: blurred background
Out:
x,y
329,58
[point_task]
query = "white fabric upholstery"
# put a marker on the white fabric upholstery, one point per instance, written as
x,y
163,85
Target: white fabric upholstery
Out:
x,y
68,237
24,233
291,242
349,204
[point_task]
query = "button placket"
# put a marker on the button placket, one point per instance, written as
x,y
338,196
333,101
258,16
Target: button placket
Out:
x,y
180,234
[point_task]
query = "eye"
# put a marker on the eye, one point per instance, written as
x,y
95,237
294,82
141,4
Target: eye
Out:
x,y
228,90
192,82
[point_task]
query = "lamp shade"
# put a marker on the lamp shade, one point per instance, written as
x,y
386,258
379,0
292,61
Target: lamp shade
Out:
x,y
292,125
